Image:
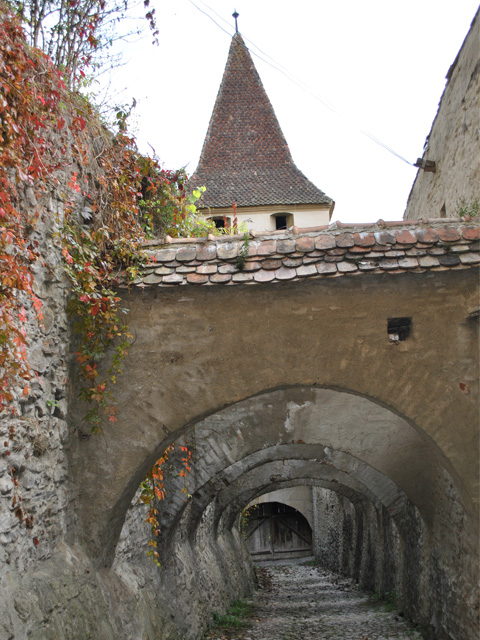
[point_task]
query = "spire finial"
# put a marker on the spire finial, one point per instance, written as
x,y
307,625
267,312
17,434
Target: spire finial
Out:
x,y
235,15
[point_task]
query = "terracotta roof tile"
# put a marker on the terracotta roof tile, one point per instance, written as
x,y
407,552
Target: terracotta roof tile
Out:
x,y
272,257
245,157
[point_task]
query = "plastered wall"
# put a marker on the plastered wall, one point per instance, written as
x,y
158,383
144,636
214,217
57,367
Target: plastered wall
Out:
x,y
453,142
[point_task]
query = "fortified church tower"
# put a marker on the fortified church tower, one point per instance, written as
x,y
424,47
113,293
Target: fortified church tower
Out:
x,y
245,158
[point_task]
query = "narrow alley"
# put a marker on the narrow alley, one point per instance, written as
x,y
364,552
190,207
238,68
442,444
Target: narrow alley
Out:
x,y
305,602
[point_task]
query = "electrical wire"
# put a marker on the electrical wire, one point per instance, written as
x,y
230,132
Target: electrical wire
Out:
x,y
302,85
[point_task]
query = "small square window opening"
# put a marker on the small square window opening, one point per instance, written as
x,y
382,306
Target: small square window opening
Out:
x,y
398,329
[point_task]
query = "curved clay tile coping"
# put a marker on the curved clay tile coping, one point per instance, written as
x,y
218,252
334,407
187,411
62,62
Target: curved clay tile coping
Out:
x,y
319,252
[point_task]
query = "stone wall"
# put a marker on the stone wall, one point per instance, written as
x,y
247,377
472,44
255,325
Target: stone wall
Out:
x,y
335,531
50,589
453,141
38,457
400,560
274,409
357,539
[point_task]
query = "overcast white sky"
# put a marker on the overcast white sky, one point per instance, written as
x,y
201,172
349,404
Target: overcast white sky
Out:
x,y
381,64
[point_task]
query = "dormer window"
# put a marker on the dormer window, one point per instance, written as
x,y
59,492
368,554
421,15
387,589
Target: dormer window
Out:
x,y
282,221
219,222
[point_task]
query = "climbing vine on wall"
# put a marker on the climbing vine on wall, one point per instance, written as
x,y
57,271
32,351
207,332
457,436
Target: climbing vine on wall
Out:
x,y
27,158
154,490
135,196
45,127
52,140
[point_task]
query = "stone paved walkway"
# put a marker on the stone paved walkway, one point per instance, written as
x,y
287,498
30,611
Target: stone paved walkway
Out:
x,y
307,603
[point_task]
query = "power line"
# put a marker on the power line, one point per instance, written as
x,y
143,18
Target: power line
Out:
x,y
302,85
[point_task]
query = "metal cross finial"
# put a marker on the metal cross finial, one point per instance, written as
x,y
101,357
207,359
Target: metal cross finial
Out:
x,y
235,14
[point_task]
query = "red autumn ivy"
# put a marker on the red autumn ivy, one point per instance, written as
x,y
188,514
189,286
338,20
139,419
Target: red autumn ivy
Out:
x,y
45,128
154,490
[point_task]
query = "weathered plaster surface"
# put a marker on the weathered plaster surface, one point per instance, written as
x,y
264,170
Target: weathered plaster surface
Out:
x,y
454,141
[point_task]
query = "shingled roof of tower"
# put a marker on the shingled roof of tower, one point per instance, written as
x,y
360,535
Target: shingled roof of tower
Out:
x,y
245,157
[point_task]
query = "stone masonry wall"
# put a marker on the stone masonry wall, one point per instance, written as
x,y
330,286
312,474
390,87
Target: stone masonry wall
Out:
x,y
363,542
38,457
453,141
405,567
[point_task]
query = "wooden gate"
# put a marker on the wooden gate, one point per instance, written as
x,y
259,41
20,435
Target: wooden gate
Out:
x,y
273,531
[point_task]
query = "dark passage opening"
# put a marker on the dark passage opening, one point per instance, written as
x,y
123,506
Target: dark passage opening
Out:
x,y
274,530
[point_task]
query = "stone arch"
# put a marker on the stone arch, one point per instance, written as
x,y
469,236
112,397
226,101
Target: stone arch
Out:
x,y
289,496
341,422
321,437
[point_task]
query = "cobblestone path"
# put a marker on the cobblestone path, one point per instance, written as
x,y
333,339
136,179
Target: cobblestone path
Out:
x,y
307,603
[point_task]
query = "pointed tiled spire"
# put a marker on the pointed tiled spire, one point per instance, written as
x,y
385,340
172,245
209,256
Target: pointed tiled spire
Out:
x,y
245,157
